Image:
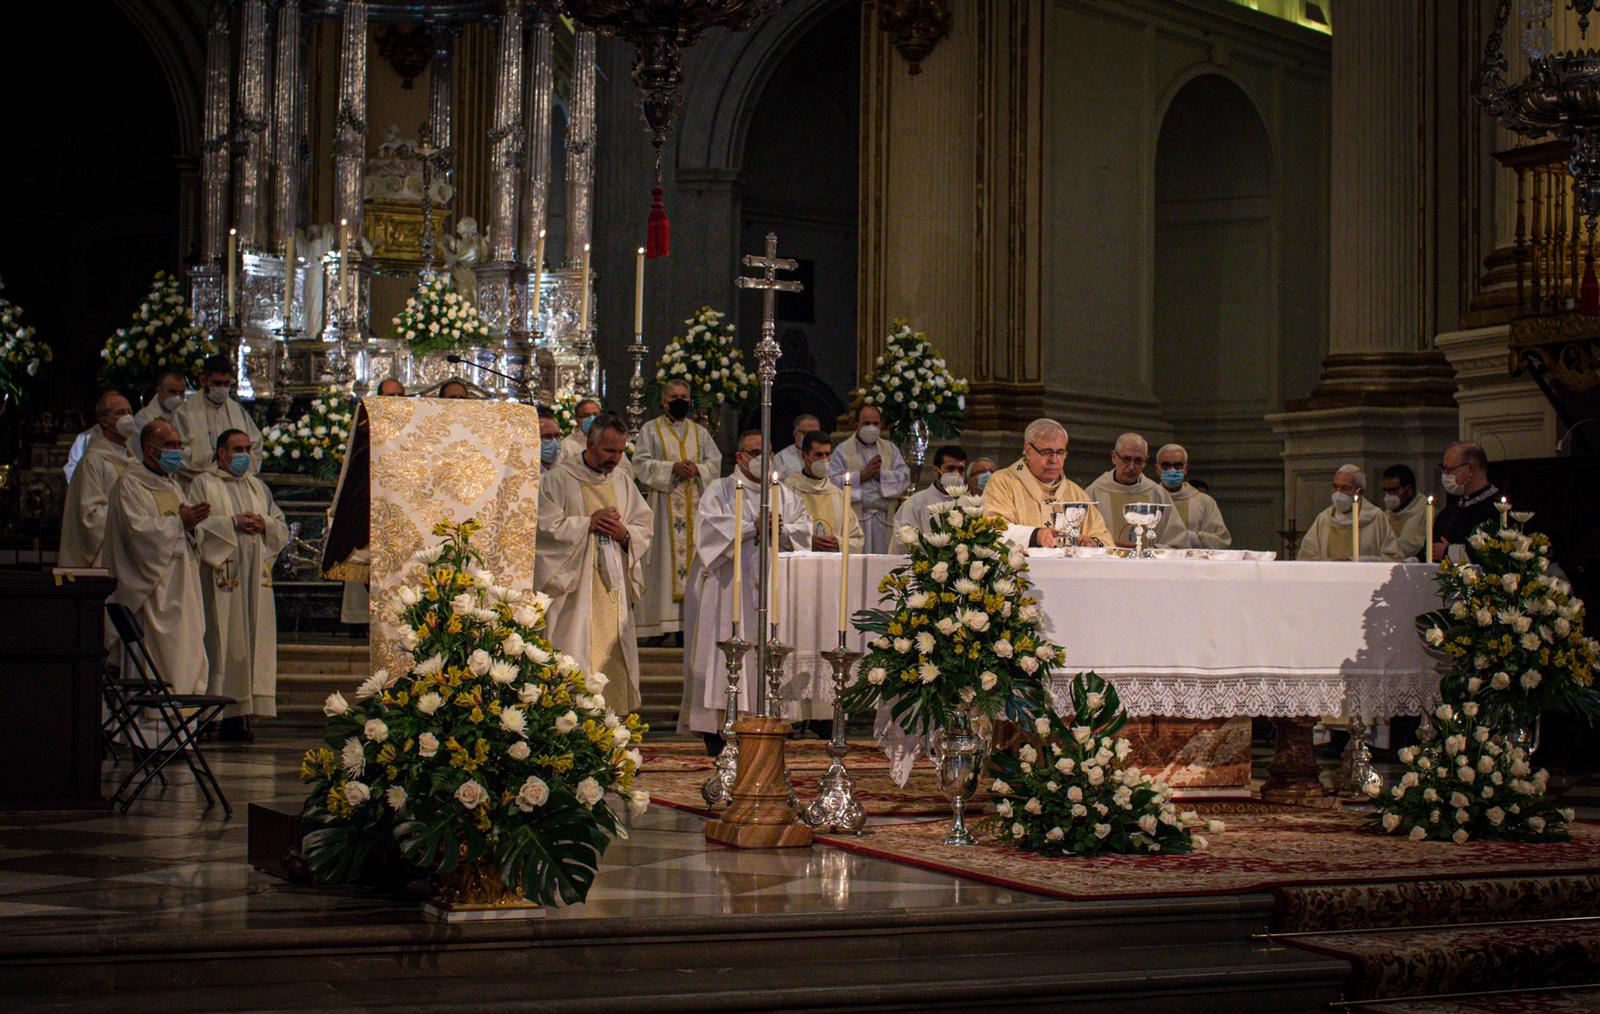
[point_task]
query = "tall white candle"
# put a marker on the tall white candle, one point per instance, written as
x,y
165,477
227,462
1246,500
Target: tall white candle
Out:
x,y
583,293
1428,541
1355,528
233,269
844,555
772,579
638,293
344,263
738,546
288,280
538,279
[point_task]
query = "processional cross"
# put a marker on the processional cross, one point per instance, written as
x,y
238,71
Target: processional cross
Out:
x,y
431,158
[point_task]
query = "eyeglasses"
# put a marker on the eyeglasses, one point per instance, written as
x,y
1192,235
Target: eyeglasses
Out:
x,y
1451,468
1130,460
1049,455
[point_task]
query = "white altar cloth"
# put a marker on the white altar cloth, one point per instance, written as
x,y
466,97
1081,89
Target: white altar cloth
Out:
x,y
1183,638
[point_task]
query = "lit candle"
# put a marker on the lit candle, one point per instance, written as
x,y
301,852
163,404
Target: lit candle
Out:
x,y
638,292
538,278
1355,528
738,546
1428,542
844,555
772,580
288,280
583,293
344,263
233,268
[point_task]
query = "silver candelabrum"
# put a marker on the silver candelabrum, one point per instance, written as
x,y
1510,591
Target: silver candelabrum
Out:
x,y
777,653
718,789
836,807
638,351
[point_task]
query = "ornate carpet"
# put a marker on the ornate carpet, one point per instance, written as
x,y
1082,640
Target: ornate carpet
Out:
x,y
1546,1001
1264,847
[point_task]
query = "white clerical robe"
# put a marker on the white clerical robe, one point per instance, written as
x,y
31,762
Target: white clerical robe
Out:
x,y
153,559
593,585
1021,501
1112,497
200,423
708,607
236,584
822,499
1202,517
874,499
148,414
80,444
1410,526
674,500
1329,536
917,512
788,461
83,518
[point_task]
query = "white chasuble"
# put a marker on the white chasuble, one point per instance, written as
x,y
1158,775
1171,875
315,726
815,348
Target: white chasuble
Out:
x,y
1330,538
674,500
83,518
875,498
1020,500
157,571
1410,526
200,423
709,607
593,584
1113,498
822,498
236,583
917,512
1202,517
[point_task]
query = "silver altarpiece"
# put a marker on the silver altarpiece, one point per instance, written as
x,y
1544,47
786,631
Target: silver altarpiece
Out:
x,y
399,206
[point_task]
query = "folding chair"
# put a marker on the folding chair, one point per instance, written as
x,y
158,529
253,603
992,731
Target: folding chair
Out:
x,y
121,717
184,716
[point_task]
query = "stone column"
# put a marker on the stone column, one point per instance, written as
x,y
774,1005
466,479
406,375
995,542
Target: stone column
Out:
x,y
541,91
286,127
206,287
250,127
1386,395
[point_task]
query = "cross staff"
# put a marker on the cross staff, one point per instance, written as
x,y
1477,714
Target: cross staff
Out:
x,y
766,368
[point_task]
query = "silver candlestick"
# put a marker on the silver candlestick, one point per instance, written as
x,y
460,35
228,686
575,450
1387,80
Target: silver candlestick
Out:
x,y
1355,771
636,385
836,807
777,652
718,789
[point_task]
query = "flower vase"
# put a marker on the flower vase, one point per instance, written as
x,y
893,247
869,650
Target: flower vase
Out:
x,y
959,752
710,419
474,891
1525,736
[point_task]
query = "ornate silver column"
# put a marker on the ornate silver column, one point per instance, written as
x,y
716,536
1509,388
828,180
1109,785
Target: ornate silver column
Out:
x,y
536,160
205,296
497,279
350,123
286,127
580,149
250,125
440,94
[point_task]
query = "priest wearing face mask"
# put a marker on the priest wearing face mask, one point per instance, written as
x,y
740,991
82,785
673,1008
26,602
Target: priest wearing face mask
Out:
x,y
238,545
1329,537
978,475
1021,495
1126,484
150,551
675,460
576,442
1197,510
949,482
878,477
83,521
822,498
206,416
171,390
1407,512
549,439
1464,473
789,460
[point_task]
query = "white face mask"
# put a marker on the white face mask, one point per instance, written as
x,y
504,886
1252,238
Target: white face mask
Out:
x,y
126,426
170,403
1342,502
818,469
952,483
216,395
1451,484
1391,501
867,434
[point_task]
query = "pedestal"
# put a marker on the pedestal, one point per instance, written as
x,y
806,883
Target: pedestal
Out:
x,y
760,816
1293,776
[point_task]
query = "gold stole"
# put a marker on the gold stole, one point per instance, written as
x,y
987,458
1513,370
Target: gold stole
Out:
x,y
605,605
681,502
1182,504
821,503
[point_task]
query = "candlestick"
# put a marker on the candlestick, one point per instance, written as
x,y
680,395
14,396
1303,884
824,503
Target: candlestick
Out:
x,y
738,547
583,294
772,580
233,268
844,556
718,789
836,807
1428,541
538,280
638,292
1355,529
288,281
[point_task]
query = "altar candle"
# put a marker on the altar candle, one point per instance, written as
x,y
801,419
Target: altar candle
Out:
x,y
1355,528
233,268
738,546
288,280
583,293
538,279
344,263
844,555
1428,541
638,293
772,579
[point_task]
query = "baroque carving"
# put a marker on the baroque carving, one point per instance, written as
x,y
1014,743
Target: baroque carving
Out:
x,y
407,48
915,27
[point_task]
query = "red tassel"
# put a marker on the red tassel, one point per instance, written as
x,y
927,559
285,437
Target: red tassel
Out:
x,y
658,231
1589,291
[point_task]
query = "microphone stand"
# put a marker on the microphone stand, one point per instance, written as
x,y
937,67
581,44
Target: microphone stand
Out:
x,y
523,387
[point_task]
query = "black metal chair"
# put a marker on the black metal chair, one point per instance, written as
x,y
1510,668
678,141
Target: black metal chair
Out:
x,y
121,721
184,717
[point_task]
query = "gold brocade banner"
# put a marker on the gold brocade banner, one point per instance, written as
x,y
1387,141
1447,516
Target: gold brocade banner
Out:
x,y
425,461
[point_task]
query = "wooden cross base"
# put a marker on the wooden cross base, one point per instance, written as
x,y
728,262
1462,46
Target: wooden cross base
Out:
x,y
760,816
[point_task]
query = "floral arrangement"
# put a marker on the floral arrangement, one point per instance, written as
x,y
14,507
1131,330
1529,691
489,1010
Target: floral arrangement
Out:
x,y
708,359
1071,794
1512,631
961,634
21,355
494,748
566,410
909,382
437,318
1468,782
162,334
315,443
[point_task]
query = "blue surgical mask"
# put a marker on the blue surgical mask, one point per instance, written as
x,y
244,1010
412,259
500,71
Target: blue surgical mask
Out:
x,y
1172,480
171,461
549,450
239,464
586,422
983,480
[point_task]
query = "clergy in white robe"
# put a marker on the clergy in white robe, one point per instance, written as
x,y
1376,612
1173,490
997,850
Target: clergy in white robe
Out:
x,y
594,528
949,481
238,545
1196,507
790,460
830,516
83,518
878,477
1023,494
709,608
1126,483
150,551
171,390
80,444
575,443
208,414
1330,537
1407,512
676,458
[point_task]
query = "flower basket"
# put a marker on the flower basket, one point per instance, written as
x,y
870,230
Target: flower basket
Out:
x,y
910,384
707,358
438,319
313,445
162,334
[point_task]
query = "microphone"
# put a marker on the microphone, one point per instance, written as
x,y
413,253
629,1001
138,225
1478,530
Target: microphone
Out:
x,y
521,382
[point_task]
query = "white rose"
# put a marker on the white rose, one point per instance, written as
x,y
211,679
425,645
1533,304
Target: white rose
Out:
x,y
1029,664
513,646
941,572
427,745
471,795
1461,836
1148,824
1096,775
408,596
335,705
638,802
976,619
988,680
596,682
1101,830
1074,794
356,793
902,645
908,535
1033,806
1444,713
395,797
534,792
567,722
1418,833
518,751
1003,648
375,730
1000,788
876,675
479,662
589,792
1536,824
1391,821
1065,765
620,735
